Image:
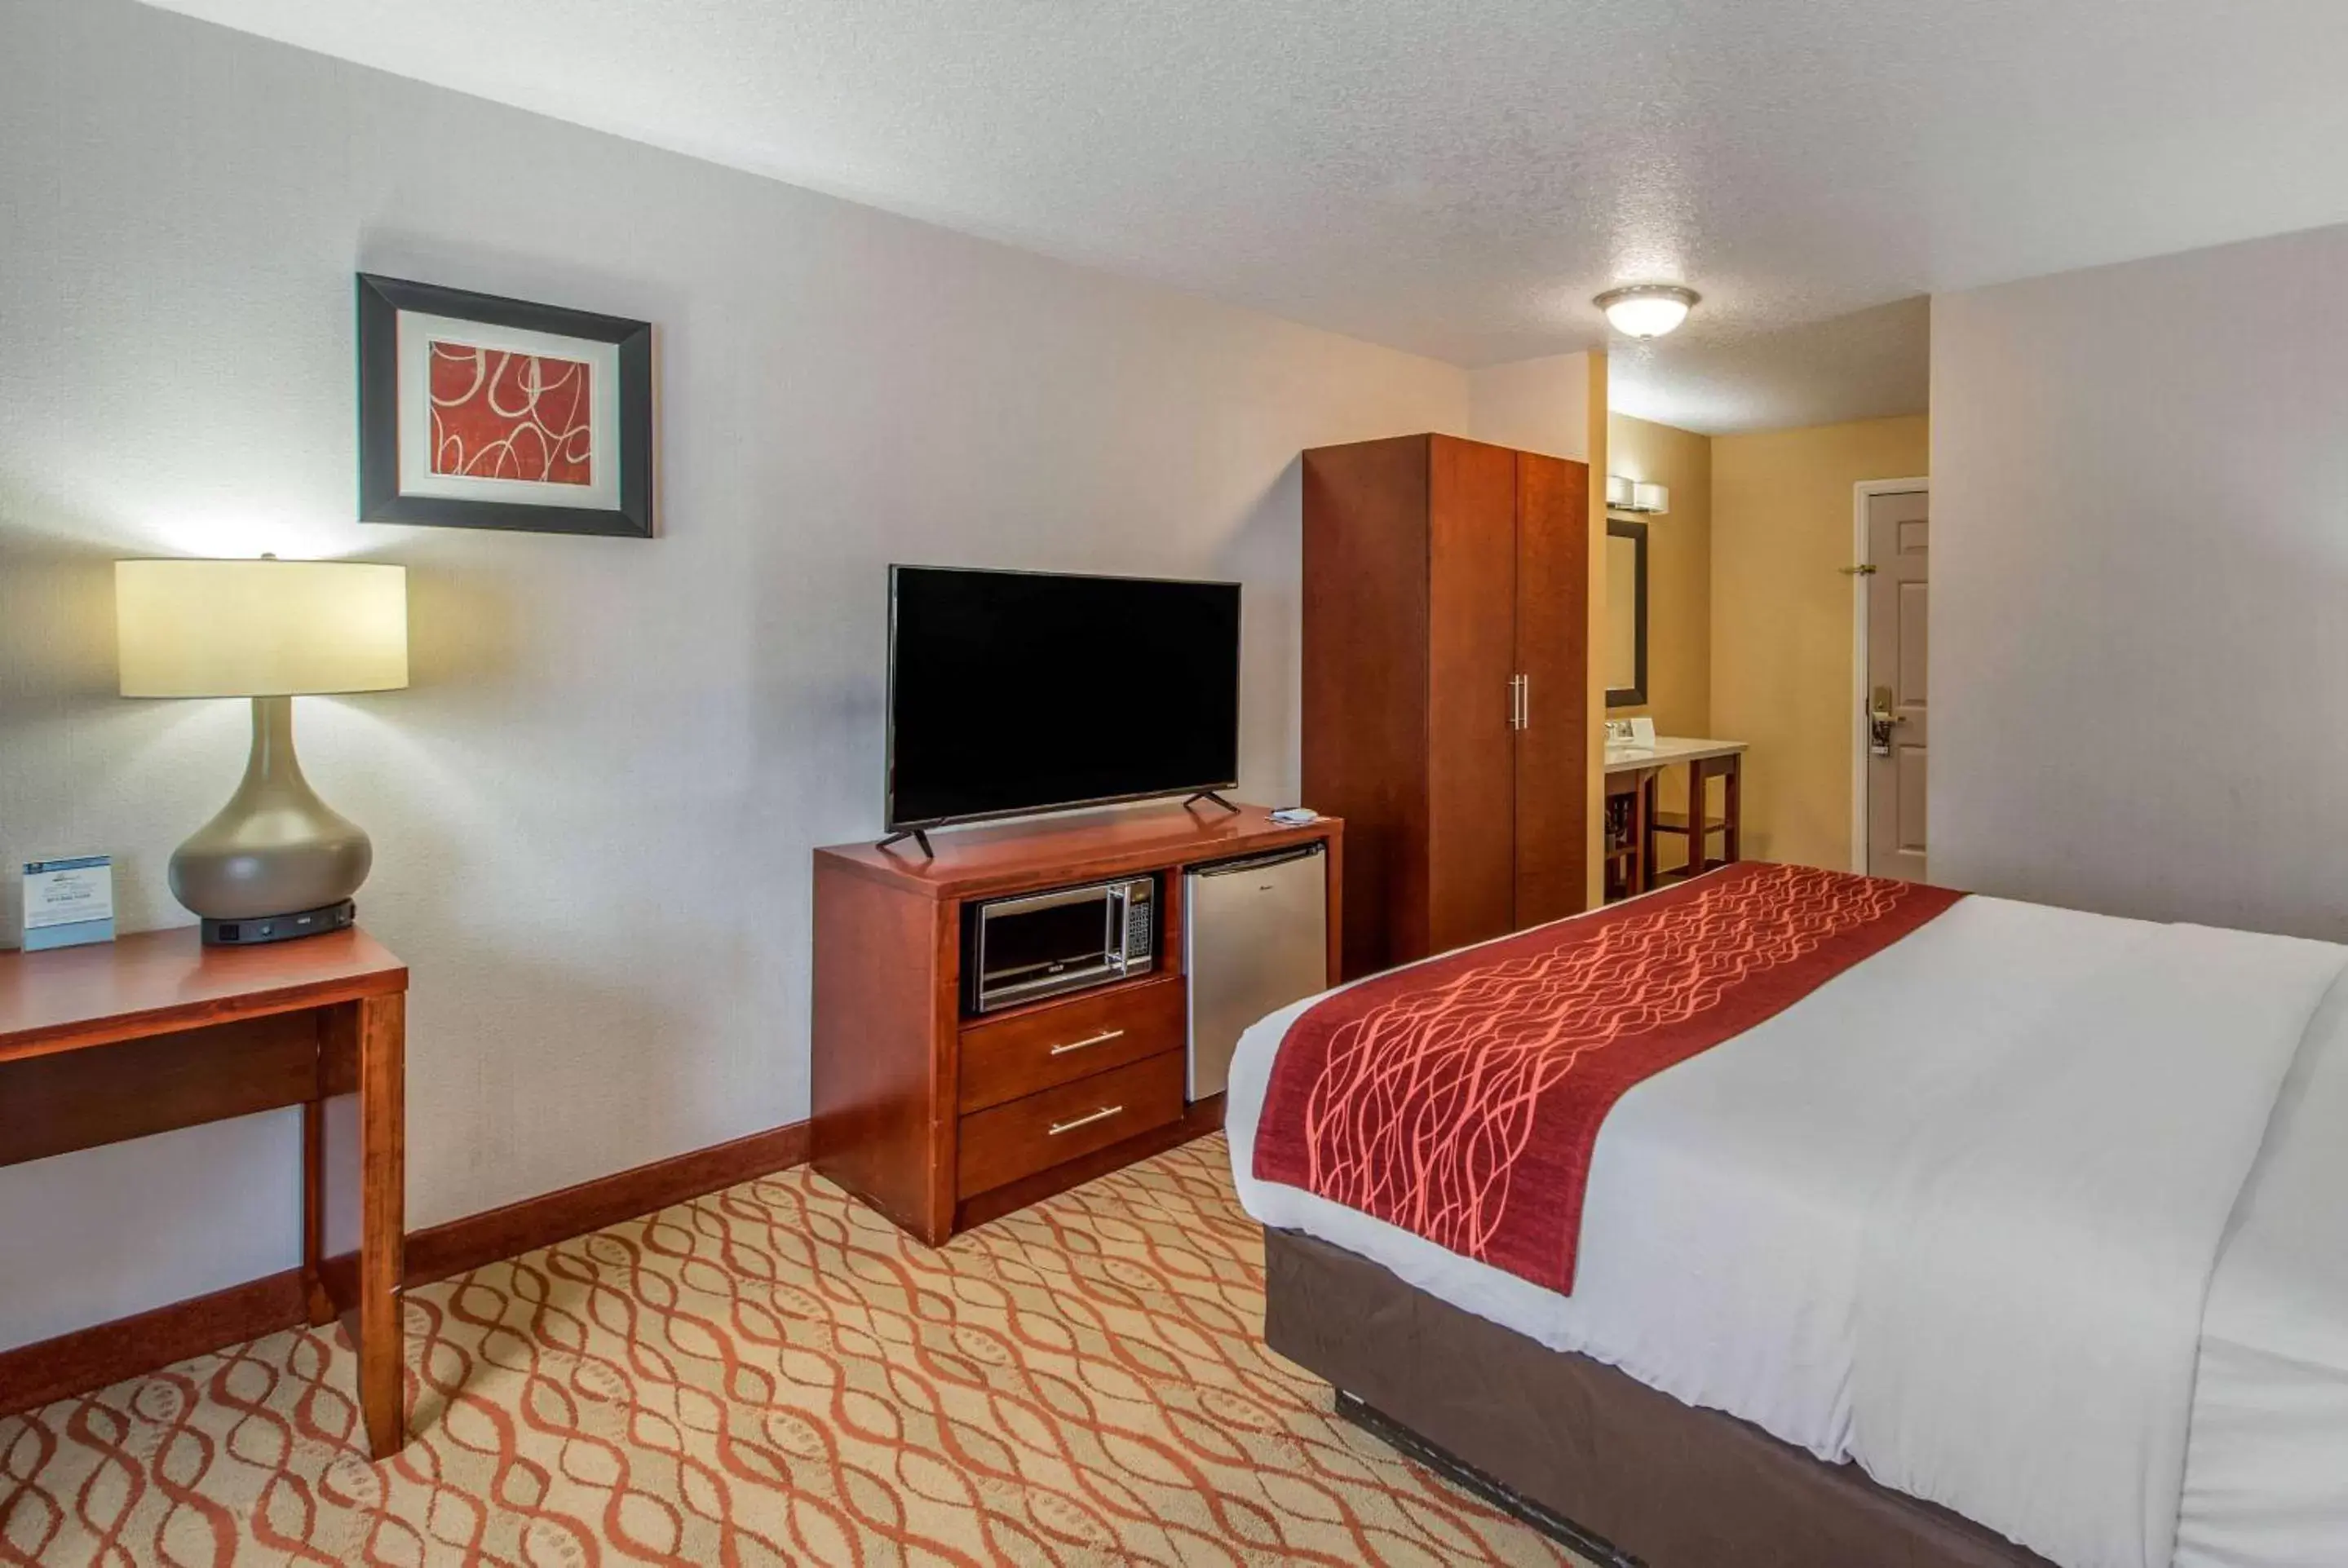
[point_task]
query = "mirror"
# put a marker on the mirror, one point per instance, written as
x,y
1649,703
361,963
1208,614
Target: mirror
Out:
x,y
1626,612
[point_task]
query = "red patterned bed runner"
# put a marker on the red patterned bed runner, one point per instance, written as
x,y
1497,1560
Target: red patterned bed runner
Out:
x,y
1460,1099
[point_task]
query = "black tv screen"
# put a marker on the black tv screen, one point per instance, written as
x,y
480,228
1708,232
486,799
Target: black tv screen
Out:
x,y
1014,691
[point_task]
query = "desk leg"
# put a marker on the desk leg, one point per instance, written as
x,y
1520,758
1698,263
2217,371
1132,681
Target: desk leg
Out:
x,y
313,1205
363,1050
1732,809
1648,802
1699,812
1643,836
382,1205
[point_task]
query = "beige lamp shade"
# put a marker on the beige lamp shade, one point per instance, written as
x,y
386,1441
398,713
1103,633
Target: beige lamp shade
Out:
x,y
259,628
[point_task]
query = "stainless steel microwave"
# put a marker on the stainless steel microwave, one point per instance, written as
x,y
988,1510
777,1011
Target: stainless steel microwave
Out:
x,y
1043,944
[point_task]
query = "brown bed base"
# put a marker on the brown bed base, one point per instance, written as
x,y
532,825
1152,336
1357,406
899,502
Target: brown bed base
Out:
x,y
1622,1475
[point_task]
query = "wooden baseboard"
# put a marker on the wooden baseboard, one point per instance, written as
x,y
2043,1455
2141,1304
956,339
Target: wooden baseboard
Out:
x,y
445,1251
34,1375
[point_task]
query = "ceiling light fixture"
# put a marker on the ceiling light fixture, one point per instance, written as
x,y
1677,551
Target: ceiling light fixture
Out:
x,y
1646,309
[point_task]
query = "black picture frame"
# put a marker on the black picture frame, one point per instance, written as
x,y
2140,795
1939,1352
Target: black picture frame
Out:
x,y
1632,696
380,301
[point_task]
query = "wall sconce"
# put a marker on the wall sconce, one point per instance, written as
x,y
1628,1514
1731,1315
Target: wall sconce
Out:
x,y
1636,496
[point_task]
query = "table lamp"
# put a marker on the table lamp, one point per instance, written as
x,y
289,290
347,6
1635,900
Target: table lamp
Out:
x,y
277,862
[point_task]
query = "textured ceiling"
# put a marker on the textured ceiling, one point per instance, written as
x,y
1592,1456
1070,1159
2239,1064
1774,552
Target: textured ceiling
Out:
x,y
1864,365
1458,179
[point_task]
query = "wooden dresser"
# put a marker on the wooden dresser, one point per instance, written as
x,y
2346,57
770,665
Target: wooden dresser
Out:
x,y
943,1120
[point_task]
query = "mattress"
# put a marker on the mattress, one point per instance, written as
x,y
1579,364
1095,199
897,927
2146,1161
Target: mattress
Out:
x,y
1600,1457
1702,1174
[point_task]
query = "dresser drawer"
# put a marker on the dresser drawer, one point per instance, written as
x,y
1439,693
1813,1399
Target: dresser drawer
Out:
x,y
1025,1136
1063,1041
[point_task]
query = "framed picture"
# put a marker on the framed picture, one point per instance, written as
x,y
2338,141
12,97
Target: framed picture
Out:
x,y
479,412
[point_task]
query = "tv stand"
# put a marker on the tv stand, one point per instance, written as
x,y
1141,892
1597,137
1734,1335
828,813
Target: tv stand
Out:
x,y
943,1120
1211,795
919,836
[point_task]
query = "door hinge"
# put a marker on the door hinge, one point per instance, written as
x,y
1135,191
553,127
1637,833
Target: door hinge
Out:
x,y
1856,570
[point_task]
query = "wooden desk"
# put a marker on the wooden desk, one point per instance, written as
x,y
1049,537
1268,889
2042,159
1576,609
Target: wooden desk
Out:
x,y
153,1032
1641,768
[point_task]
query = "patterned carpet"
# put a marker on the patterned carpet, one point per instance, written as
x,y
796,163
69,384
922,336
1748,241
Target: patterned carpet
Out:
x,y
774,1374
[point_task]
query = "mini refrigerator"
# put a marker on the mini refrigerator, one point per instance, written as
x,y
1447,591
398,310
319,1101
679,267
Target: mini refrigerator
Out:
x,y
1255,938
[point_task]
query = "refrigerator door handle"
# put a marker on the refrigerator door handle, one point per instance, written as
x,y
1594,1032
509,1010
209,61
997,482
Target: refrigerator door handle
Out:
x,y
1257,862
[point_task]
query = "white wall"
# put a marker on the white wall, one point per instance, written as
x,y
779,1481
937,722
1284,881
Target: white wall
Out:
x,y
2140,660
1533,405
594,810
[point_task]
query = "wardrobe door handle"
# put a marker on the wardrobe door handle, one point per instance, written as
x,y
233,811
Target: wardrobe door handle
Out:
x,y
1525,701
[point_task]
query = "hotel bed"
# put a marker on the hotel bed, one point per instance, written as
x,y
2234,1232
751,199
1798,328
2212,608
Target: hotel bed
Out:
x,y
2022,1238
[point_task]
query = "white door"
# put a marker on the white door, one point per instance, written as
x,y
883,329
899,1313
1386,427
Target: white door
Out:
x,y
1899,538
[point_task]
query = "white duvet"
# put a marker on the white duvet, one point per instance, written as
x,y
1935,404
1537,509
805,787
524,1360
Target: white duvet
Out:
x,y
1955,1215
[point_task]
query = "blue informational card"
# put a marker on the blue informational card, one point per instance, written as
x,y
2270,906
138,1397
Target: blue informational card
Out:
x,y
68,902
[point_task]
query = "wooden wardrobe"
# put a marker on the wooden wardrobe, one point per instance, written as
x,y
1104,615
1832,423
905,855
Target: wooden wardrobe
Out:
x,y
1447,701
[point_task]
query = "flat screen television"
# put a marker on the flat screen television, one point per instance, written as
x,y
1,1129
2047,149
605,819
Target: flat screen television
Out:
x,y
1017,692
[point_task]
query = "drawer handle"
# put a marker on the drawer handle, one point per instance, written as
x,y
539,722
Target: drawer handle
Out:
x,y
1103,1114
1103,1038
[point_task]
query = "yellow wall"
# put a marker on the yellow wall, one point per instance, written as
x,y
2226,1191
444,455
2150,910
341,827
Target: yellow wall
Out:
x,y
1781,621
1679,569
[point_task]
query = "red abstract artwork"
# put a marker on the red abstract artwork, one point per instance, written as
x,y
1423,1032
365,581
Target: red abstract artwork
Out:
x,y
502,416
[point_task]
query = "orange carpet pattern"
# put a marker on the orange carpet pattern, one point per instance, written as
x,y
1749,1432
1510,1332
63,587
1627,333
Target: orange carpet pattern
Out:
x,y
774,1374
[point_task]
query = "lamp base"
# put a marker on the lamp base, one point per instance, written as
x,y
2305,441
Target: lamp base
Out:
x,y
279,927
275,847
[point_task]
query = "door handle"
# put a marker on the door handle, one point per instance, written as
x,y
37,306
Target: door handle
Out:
x,y
1103,1038
1103,1114
1879,719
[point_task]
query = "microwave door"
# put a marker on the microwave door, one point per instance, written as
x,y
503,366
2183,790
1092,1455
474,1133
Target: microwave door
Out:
x,y
1042,945
1035,941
